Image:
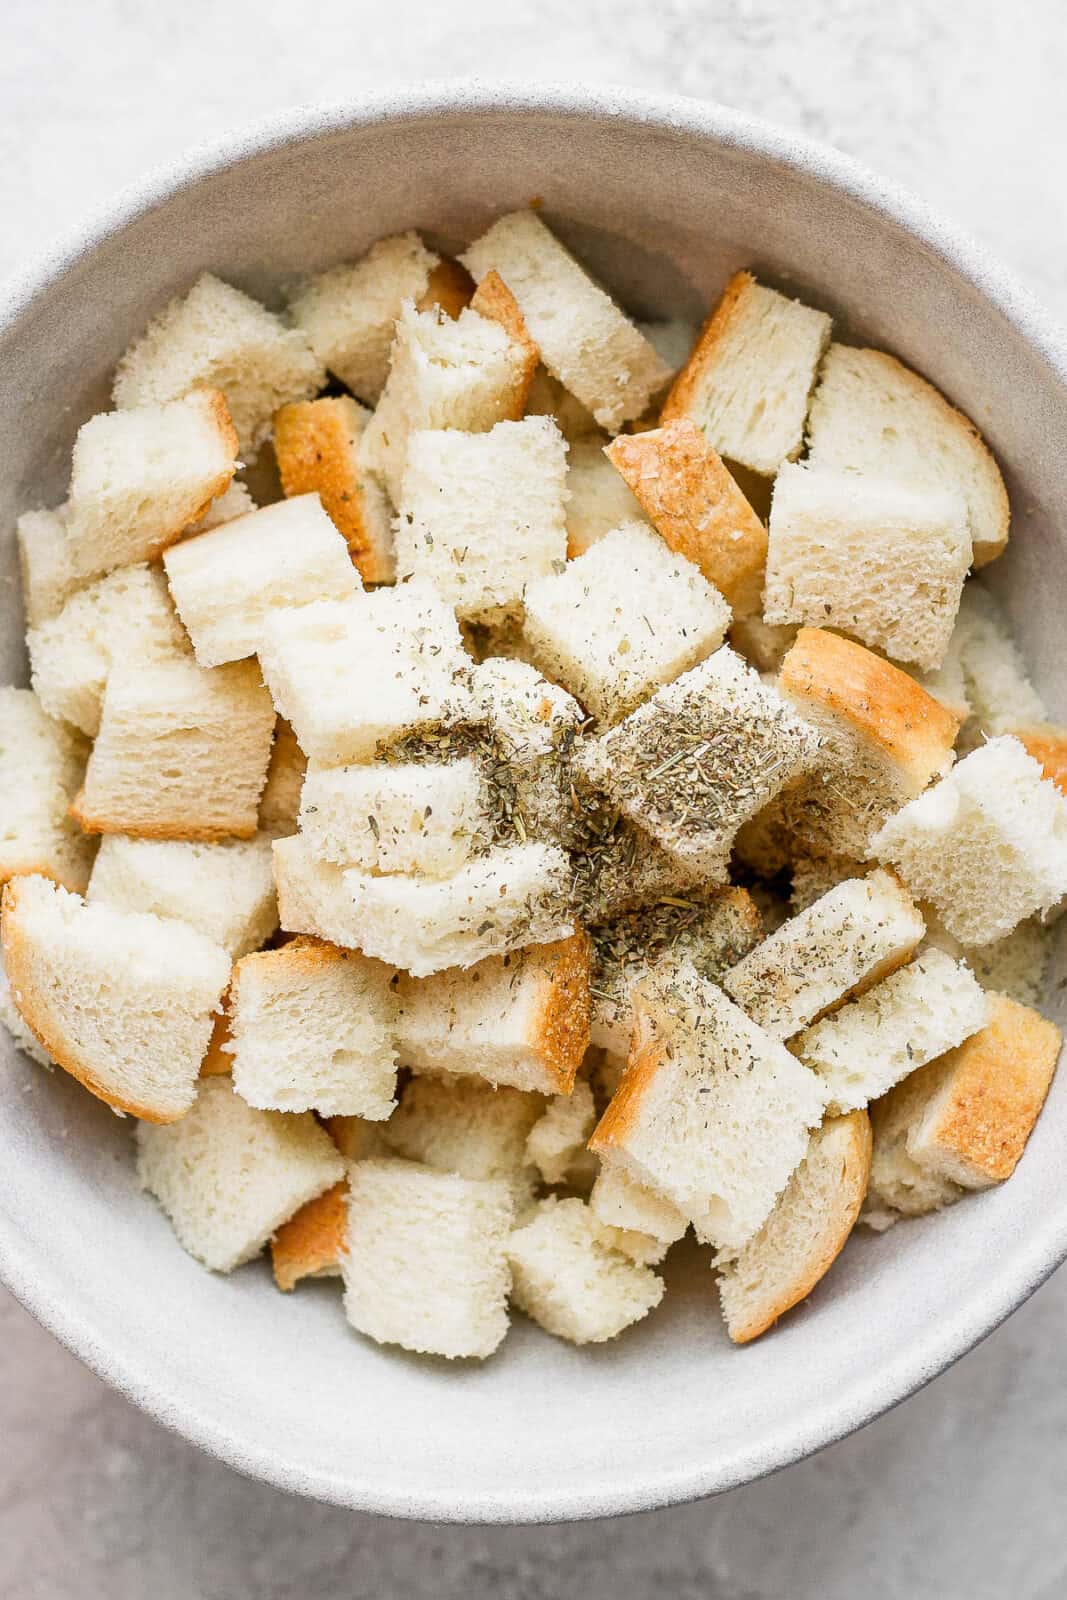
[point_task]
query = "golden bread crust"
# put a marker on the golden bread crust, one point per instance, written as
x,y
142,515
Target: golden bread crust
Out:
x,y
696,507
313,1240
315,443
704,354
1047,745
449,287
494,300
243,826
561,1026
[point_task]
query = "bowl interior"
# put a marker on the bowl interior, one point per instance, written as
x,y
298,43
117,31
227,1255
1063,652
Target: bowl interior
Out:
x,y
664,204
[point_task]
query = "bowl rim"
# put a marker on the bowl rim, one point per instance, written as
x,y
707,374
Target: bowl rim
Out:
x,y
1045,1246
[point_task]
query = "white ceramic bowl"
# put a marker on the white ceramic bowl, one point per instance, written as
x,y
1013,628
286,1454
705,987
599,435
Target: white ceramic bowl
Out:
x,y
664,198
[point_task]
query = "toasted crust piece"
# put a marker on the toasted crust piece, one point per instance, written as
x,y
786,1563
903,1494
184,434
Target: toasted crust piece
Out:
x,y
1048,745
976,1106
884,705
449,287
804,1234
696,507
316,443
311,1243
493,299
750,374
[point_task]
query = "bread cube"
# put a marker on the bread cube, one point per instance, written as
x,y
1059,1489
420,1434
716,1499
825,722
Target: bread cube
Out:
x,y
871,414
804,1234
226,583
883,740
312,897
520,1019
907,1019
425,1265
226,890
987,846
123,1001
467,374
1048,746
279,804
348,312
311,1243
635,1220
140,477
312,1029
468,1127
849,939
125,617
234,501
41,766
317,446
481,514
748,380
712,929
229,1176
881,560
512,896
219,337
701,758
182,753
998,689
615,866
585,341
573,1284
531,724
622,620
598,497
493,299
44,564
697,508
558,1138
350,675
412,817
972,1112
11,1021
712,1112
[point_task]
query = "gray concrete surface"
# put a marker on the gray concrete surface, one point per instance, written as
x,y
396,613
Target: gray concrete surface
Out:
x,y
958,1494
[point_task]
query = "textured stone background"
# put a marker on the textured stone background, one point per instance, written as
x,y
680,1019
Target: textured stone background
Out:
x,y
959,1493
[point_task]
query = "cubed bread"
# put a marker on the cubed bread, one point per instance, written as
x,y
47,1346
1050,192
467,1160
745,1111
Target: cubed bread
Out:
x,y
279,804
416,817
466,1126
598,497
907,1019
872,414
975,1108
987,846
764,645
883,740
712,929
11,1021
804,1234
217,336
881,559
226,583
558,1137
348,312
622,620
182,753
493,299
701,758
234,501
312,1028
749,377
352,674
511,896
425,1264
898,1186
616,867
1048,746
311,1243
520,1019
998,688
229,1176
226,890
44,564
636,1220
585,341
851,938
42,763
696,507
571,1282
312,897
481,515
140,477
466,374
712,1112
125,617
123,1001
317,446
531,726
